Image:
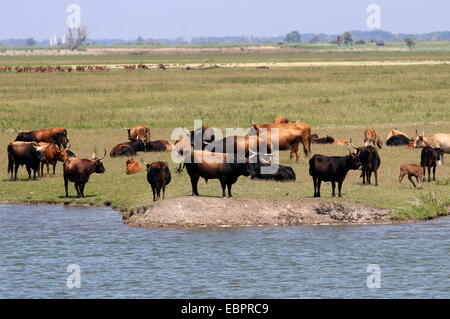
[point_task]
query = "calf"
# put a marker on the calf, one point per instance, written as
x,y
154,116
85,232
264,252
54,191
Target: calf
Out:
x,y
331,169
29,154
128,148
372,136
132,167
158,176
411,170
428,159
78,171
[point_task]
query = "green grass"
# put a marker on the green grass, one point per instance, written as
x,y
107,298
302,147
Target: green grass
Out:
x,y
339,101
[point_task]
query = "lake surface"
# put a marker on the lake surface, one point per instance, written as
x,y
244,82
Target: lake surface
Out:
x,y
38,243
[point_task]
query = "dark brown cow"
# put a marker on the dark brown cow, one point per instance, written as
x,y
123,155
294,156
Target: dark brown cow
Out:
x,y
290,136
141,132
241,146
159,146
429,157
78,171
53,155
56,136
29,154
158,176
128,148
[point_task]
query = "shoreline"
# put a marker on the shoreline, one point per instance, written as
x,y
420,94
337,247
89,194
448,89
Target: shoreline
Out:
x,y
203,213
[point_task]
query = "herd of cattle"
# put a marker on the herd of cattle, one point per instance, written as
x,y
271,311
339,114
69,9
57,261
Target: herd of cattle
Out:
x,y
226,159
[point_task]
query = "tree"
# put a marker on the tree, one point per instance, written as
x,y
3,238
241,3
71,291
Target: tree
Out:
x,y
348,38
293,36
76,37
30,42
410,42
140,40
314,39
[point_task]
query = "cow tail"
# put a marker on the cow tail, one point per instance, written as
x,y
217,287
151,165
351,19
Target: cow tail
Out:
x,y
10,162
306,141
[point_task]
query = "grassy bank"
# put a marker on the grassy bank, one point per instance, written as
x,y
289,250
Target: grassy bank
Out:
x,y
338,101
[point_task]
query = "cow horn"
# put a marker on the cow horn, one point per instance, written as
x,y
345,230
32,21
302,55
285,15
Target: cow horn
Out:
x,y
186,131
264,161
104,154
354,146
94,156
271,154
206,143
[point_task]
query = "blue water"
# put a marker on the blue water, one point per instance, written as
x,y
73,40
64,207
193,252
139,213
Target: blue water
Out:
x,y
37,243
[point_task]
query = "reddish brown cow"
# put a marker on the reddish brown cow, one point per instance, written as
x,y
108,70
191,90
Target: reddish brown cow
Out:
x,y
158,176
56,136
53,154
281,119
141,132
290,136
372,136
132,167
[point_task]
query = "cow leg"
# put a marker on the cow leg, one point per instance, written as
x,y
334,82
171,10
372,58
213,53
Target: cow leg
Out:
x,y
194,184
54,170
410,179
41,166
376,177
82,189
333,188
78,189
16,168
400,177
164,191
29,171
319,182
369,176
315,185
229,189
158,192
223,185
66,186
434,173
154,193
340,188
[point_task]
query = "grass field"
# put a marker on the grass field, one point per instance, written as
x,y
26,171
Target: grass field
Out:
x,y
338,101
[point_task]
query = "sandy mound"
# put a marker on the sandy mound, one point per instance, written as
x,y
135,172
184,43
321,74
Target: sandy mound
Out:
x,y
193,212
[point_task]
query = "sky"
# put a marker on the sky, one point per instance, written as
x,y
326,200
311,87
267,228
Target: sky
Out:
x,y
191,18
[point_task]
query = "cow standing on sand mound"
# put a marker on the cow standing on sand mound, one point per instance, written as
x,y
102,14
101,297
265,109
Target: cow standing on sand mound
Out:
x,y
158,176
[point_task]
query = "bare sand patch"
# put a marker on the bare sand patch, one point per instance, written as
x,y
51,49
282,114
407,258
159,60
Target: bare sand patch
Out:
x,y
197,212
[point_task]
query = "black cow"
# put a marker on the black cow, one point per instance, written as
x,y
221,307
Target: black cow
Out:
x,y
322,140
370,162
331,169
283,174
428,159
128,148
158,176
29,154
397,140
219,166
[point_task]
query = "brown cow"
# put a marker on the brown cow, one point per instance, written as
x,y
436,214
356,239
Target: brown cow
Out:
x,y
342,142
395,132
281,119
141,132
411,170
372,136
289,134
78,171
132,167
56,136
53,154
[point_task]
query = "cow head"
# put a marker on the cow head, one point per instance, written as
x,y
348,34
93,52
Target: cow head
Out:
x,y
98,168
419,140
40,151
205,134
353,161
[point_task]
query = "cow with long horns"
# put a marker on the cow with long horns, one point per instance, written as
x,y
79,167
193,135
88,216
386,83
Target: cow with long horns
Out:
x,y
78,171
29,154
